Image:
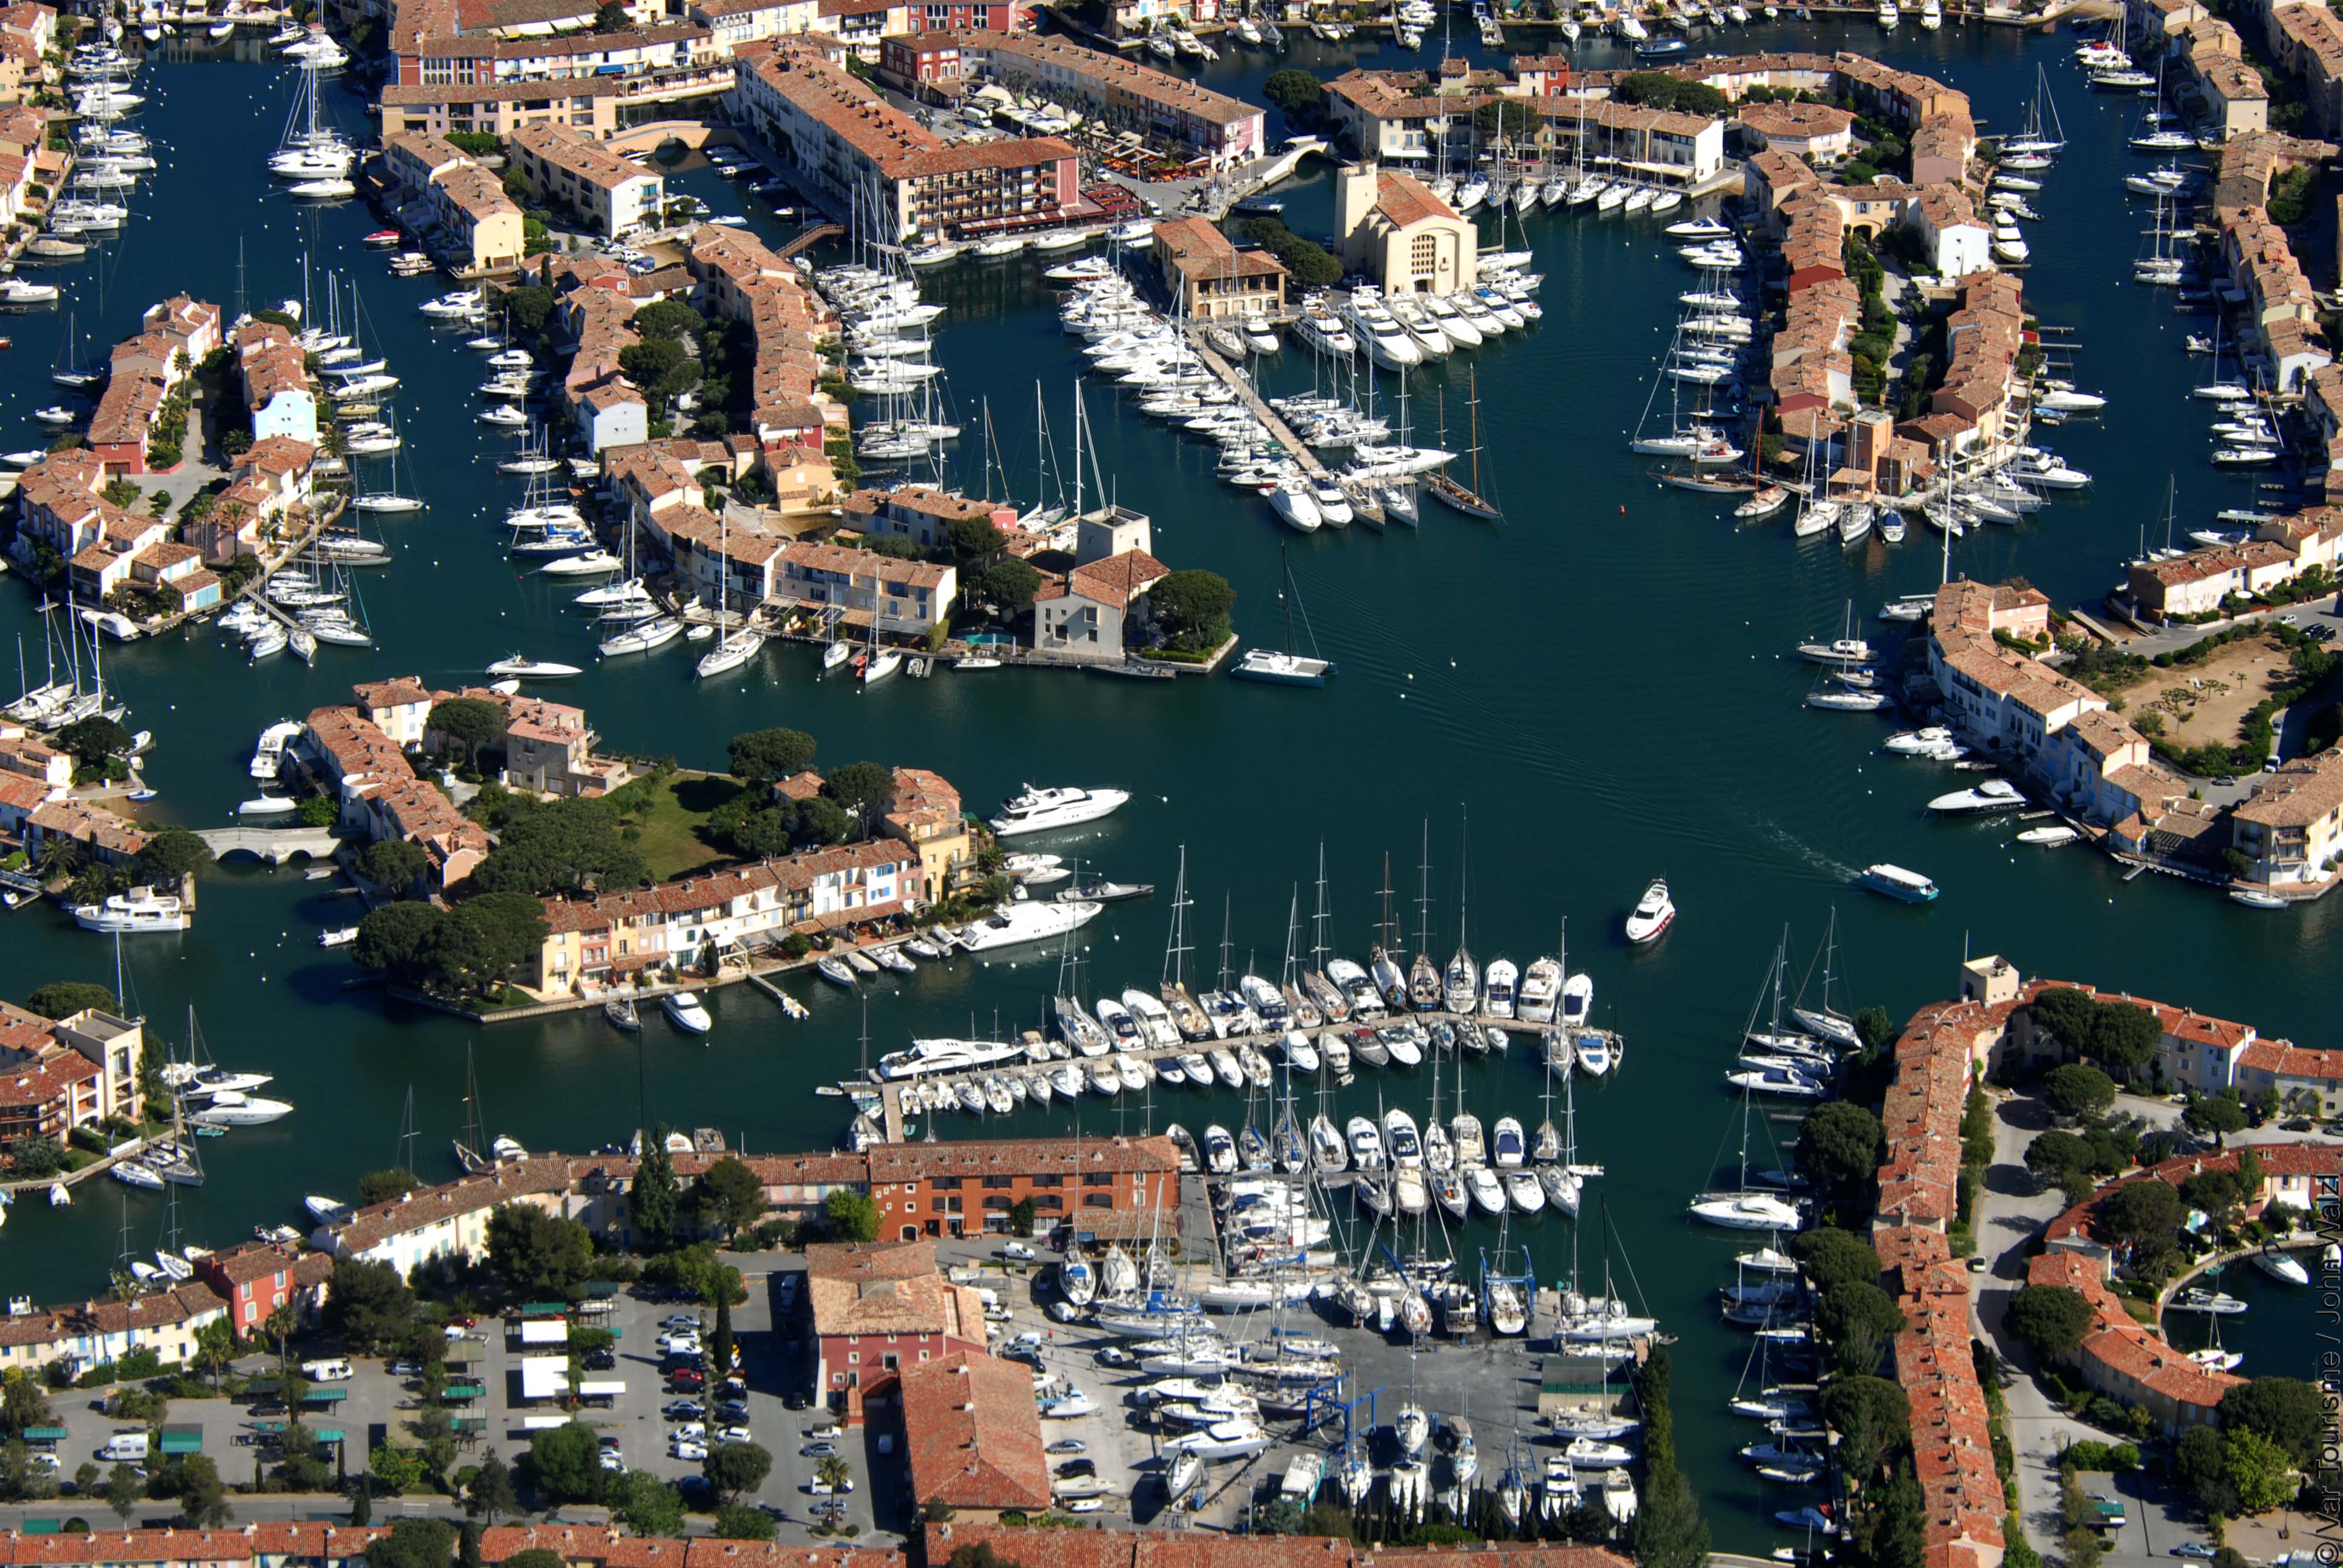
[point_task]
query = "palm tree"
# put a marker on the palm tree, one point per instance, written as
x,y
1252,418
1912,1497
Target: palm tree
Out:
x,y
57,857
834,1472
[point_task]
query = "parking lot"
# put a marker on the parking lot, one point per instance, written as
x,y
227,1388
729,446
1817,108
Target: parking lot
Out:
x,y
1494,1384
374,1407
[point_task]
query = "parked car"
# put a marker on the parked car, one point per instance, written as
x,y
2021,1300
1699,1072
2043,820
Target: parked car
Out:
x,y
405,1368
1067,1445
690,1429
1115,1356
682,1410
794,1399
611,1461
1015,1253
1078,1469
687,1377
817,1451
679,1321
735,1434
601,1361
828,1431
686,1448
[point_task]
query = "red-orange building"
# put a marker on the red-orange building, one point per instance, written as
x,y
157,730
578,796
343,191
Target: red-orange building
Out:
x,y
1106,1188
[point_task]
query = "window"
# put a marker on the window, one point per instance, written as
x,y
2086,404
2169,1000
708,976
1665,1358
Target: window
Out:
x,y
1098,1200
1098,1179
992,1183
998,1205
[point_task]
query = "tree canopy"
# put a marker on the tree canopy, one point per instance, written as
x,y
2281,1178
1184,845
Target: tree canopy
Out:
x,y
554,848
1194,608
2216,1113
866,790
2142,1212
2284,1409
61,999
563,1465
1873,1417
471,722
535,1253
728,1193
394,865
2118,1035
2077,1091
1839,1146
171,853
1009,585
1659,90
734,1468
1293,92
367,1304
2049,1320
1831,1257
850,1216
413,1544
765,756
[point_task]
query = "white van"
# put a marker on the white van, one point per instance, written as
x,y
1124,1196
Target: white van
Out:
x,y
124,1448
333,1370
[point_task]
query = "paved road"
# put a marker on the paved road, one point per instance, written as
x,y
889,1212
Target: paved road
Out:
x,y
2009,1212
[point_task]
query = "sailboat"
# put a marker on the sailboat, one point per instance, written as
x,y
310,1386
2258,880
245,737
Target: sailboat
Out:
x,y
1444,486
1747,1208
1284,666
389,500
474,1136
1823,1019
69,371
742,644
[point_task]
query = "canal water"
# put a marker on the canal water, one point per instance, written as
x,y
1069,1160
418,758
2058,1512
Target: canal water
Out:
x,y
1605,678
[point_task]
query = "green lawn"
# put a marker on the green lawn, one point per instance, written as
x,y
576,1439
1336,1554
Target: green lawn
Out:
x,y
678,805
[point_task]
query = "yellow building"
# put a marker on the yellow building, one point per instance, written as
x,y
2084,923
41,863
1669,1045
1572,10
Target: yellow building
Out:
x,y
1398,235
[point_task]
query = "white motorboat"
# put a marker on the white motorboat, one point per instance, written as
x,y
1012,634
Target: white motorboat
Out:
x,y
1044,810
1993,795
139,909
1022,921
2281,1266
520,668
1747,1211
684,1010
232,1108
1654,913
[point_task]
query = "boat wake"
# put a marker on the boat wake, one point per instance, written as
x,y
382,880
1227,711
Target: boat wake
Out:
x,y
1835,869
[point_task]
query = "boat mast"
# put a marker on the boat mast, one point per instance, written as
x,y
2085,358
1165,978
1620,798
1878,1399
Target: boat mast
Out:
x,y
1175,949
1318,920
1424,894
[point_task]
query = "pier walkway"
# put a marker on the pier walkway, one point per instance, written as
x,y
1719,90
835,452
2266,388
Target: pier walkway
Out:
x,y
892,1112
1239,383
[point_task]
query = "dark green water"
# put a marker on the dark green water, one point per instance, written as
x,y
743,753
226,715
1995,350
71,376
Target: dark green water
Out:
x,y
1602,678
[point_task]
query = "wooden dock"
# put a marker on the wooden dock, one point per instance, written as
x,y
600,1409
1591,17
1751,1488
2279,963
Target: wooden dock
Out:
x,y
1363,508
1283,432
1270,1044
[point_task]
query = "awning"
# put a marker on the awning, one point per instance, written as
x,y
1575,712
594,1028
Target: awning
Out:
x,y
544,1377
327,1433
544,1309
45,1435
325,1396
465,1391
544,1332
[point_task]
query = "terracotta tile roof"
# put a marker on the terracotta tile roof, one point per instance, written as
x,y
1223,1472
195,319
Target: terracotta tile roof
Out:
x,y
973,1433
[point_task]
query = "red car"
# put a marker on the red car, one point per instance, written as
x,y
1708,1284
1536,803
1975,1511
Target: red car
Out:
x,y
686,1378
